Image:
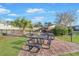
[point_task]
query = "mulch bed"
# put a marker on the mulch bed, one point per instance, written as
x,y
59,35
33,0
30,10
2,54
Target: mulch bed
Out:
x,y
58,47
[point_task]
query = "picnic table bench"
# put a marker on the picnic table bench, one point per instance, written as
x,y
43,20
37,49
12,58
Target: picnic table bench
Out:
x,y
38,41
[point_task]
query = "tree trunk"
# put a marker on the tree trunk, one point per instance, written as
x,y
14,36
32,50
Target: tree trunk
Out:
x,y
22,31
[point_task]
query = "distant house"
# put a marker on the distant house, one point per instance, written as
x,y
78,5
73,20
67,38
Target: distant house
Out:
x,y
8,27
51,27
4,28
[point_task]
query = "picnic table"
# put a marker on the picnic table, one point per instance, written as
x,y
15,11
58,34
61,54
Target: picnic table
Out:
x,y
38,40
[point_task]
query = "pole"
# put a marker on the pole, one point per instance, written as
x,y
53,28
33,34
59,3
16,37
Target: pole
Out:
x,y
71,37
71,34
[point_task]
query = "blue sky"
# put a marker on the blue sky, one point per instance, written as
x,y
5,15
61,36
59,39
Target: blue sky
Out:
x,y
36,12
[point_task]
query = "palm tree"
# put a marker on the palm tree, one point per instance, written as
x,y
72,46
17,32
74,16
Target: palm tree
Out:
x,y
30,25
21,23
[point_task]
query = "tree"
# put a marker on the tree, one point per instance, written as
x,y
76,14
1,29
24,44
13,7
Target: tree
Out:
x,y
22,23
65,18
38,24
47,24
30,25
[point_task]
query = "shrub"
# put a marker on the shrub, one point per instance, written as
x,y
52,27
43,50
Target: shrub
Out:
x,y
70,30
60,30
4,34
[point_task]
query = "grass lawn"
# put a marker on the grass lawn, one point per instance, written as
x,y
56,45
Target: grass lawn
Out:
x,y
71,54
10,46
75,37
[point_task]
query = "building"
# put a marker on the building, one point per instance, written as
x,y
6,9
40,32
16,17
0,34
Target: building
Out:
x,y
4,28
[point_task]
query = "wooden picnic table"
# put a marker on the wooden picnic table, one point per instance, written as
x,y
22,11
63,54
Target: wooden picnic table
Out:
x,y
38,40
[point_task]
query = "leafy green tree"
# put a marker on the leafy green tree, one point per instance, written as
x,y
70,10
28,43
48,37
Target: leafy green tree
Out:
x,y
30,25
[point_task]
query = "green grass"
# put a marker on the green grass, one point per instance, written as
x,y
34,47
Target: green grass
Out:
x,y
76,32
71,54
75,39
10,46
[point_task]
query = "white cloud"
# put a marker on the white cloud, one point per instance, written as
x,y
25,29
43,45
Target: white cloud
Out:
x,y
35,10
4,11
39,18
12,15
8,19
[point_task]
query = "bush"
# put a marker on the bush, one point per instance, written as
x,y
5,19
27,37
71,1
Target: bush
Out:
x,y
70,30
4,34
60,30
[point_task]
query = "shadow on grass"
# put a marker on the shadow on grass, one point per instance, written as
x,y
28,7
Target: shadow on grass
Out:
x,y
17,47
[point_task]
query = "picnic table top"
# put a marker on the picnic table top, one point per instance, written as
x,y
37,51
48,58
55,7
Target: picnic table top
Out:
x,y
51,34
41,36
37,37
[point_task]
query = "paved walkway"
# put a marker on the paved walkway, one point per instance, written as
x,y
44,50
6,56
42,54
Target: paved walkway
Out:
x,y
58,47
